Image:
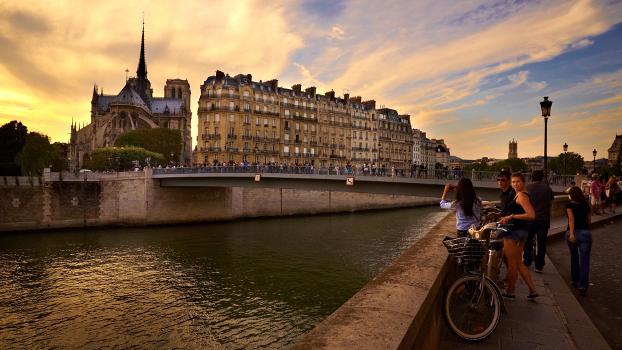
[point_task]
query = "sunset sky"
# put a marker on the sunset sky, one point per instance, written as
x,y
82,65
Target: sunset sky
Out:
x,y
470,72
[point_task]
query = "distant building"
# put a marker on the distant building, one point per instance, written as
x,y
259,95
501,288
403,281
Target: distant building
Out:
x,y
134,107
513,149
614,150
428,152
394,139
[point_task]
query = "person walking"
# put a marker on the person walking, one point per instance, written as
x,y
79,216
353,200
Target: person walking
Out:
x,y
541,196
579,239
611,190
595,189
521,212
467,205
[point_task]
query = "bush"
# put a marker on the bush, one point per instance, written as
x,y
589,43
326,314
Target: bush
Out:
x,y
159,140
123,158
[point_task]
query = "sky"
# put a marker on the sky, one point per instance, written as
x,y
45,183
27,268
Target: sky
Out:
x,y
469,72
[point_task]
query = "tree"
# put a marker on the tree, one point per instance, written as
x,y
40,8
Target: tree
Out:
x,y
512,164
59,160
114,158
36,154
12,139
159,140
574,163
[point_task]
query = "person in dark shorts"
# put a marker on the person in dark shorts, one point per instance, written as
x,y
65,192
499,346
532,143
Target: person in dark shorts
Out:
x,y
579,239
521,212
541,196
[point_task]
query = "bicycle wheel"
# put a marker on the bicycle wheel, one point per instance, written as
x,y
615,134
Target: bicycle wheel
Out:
x,y
472,310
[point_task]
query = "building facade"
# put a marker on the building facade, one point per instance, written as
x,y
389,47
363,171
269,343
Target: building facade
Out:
x,y
134,107
395,142
245,121
427,153
614,150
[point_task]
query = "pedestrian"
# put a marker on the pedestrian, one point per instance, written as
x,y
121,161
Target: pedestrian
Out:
x,y
521,212
467,205
579,239
595,189
611,190
507,192
541,196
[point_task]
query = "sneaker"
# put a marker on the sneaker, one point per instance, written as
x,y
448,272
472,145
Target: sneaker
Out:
x,y
538,270
532,296
508,296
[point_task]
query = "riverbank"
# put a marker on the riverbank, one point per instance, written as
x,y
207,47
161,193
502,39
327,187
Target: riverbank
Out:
x,y
135,199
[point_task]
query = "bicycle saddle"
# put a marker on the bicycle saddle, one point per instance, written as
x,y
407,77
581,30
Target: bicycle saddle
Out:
x,y
484,232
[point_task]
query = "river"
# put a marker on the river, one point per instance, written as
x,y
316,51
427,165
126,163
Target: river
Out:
x,y
260,283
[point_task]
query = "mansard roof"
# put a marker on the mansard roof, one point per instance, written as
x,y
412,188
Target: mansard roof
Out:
x,y
128,95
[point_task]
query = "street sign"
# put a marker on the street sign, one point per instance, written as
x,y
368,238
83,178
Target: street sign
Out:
x,y
350,181
257,177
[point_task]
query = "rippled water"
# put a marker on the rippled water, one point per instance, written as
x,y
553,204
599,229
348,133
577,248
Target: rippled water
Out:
x,y
250,284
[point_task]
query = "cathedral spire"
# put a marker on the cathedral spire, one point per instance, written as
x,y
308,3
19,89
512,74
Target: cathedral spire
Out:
x,y
141,72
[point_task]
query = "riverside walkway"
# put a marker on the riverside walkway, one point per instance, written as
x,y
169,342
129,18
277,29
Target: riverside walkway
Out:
x,y
555,321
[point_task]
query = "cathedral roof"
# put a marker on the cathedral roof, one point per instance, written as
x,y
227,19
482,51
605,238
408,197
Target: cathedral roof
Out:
x,y
160,104
128,95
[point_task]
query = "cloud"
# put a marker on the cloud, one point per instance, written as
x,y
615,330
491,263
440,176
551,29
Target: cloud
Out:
x,y
337,33
581,44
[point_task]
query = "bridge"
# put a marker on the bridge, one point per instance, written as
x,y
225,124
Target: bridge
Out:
x,y
307,178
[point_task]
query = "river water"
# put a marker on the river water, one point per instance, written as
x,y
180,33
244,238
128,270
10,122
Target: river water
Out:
x,y
248,284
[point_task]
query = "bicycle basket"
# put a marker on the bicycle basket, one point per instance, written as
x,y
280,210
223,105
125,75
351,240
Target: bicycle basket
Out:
x,y
465,249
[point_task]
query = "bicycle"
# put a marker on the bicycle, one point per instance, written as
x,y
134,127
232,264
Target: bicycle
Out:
x,y
474,303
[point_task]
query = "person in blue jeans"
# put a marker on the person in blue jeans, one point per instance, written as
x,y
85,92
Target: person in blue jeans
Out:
x,y
579,239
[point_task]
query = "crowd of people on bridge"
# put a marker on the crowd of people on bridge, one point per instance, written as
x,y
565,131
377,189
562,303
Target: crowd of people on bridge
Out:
x,y
525,209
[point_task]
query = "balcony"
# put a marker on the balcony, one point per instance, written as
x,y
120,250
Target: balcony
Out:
x,y
247,137
232,137
211,136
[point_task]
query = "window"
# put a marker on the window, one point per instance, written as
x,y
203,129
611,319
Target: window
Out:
x,y
304,127
231,118
257,121
285,100
265,122
286,149
245,94
287,112
217,118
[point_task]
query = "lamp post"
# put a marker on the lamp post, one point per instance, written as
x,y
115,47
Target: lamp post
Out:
x,y
565,149
545,105
594,163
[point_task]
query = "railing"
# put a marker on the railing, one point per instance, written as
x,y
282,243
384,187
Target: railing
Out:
x,y
361,170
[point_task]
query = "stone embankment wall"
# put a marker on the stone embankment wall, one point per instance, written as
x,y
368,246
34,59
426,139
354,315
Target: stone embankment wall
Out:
x,y
136,199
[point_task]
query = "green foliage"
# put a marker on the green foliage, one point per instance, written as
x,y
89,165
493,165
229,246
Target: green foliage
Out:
x,y
513,164
36,154
475,166
114,158
59,161
159,140
12,139
574,163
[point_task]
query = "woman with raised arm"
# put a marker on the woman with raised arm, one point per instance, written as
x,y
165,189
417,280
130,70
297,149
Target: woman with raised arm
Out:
x,y
579,239
467,205
521,212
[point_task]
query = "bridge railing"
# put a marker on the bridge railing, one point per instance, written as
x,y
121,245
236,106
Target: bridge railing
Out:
x,y
491,176
282,169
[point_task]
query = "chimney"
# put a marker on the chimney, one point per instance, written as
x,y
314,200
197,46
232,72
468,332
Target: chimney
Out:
x,y
356,99
346,97
371,104
250,78
220,75
274,84
297,88
311,91
330,94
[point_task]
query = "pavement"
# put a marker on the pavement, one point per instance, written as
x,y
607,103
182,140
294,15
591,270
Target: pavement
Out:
x,y
556,320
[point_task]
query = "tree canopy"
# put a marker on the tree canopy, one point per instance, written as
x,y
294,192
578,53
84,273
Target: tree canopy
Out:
x,y
114,158
12,139
574,163
36,154
159,140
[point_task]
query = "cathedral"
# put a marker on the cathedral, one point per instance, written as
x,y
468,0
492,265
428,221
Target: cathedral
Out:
x,y
134,107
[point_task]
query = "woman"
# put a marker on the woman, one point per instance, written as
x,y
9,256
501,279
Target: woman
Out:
x,y
521,212
467,204
611,190
579,239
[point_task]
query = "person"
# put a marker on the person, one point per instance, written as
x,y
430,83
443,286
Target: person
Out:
x,y
542,197
579,239
572,184
507,192
520,213
467,205
611,190
595,189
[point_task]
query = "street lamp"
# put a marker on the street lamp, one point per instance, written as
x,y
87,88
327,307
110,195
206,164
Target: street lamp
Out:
x,y
545,105
565,149
594,163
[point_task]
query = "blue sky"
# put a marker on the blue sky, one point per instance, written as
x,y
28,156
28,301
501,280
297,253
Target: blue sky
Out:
x,y
470,72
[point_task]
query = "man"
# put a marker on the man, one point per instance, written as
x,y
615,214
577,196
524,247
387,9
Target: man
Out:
x,y
595,189
542,197
507,192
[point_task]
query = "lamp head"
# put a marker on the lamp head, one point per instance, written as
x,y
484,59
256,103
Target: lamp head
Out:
x,y
594,152
545,105
565,146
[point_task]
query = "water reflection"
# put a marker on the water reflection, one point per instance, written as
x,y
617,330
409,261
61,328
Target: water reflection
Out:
x,y
249,284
